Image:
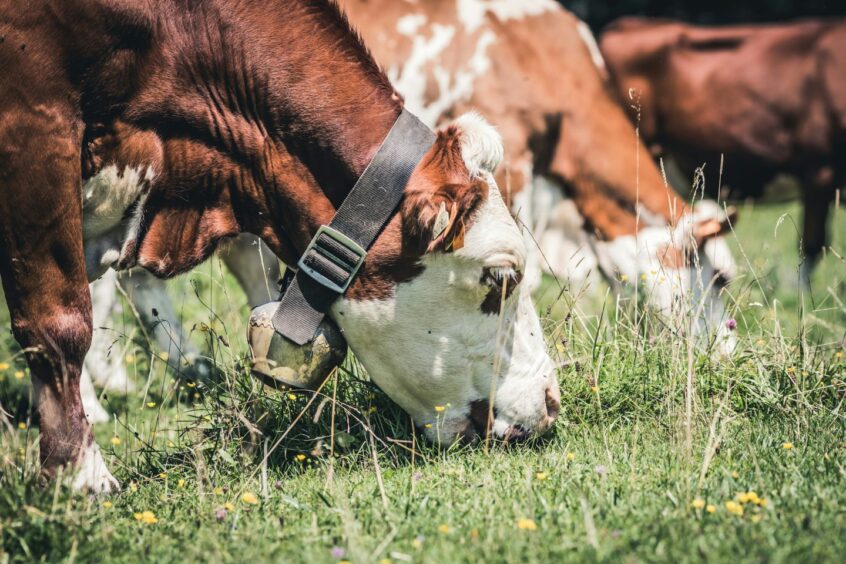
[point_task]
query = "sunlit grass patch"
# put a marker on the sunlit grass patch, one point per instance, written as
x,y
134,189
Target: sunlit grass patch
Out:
x,y
660,452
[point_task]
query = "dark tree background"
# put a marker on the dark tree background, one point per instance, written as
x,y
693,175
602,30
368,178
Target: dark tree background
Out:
x,y
598,13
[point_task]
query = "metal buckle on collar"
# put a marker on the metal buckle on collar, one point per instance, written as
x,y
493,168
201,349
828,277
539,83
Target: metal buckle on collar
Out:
x,y
332,259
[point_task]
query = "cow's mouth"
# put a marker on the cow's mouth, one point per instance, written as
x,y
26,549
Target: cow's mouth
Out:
x,y
481,422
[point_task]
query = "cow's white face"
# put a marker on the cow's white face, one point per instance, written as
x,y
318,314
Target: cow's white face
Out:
x,y
681,271
445,343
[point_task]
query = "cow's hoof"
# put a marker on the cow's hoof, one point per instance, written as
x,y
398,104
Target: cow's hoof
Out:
x,y
92,475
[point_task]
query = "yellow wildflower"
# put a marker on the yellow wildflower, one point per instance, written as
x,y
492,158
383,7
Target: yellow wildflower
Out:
x,y
624,278
734,508
21,425
439,408
107,504
698,503
443,529
300,457
735,475
526,525
163,475
4,365
838,354
292,396
151,404
760,342
594,389
787,445
19,375
791,370
115,441
218,491
428,425
133,487
164,356
180,483
643,276
146,517
748,497
191,384
228,506
540,476
710,508
249,498
571,456
417,543
560,348
385,561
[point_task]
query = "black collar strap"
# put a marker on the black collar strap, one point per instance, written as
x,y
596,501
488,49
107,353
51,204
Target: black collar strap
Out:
x,y
338,250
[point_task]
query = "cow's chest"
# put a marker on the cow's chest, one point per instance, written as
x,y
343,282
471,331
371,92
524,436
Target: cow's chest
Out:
x,y
120,164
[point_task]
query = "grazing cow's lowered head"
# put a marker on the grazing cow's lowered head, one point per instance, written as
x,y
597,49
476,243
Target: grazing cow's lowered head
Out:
x,y
438,316
680,270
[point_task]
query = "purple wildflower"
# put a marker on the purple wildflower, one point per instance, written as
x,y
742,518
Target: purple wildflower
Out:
x,y
731,324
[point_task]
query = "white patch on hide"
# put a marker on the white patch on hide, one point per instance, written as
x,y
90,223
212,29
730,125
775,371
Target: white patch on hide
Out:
x,y
410,23
106,197
92,474
589,40
471,13
108,194
412,78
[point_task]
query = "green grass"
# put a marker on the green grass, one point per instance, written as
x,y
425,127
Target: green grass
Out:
x,y
616,480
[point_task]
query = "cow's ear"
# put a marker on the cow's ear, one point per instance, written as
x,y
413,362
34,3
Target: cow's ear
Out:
x,y
437,220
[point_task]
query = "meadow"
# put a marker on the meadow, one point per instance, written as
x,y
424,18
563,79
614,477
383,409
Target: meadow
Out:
x,y
660,452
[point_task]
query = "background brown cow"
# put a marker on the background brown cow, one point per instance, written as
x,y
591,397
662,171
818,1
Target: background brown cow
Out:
x,y
768,99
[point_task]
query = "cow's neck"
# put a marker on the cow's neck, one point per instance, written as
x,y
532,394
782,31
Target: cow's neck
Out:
x,y
327,108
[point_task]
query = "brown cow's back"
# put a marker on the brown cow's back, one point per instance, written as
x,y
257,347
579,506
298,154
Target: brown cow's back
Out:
x,y
750,102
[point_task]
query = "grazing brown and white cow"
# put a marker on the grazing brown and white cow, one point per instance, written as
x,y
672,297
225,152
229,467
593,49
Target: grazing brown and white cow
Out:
x,y
771,99
151,131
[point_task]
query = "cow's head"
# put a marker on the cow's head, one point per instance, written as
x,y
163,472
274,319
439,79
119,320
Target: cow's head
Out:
x,y
680,270
438,316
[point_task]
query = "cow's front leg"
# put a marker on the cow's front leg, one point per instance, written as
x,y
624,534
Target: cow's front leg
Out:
x,y
44,277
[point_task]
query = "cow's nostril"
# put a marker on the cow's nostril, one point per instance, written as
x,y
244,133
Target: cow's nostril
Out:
x,y
553,402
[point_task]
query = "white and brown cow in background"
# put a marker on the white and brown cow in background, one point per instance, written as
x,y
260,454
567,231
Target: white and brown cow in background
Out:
x,y
151,131
574,172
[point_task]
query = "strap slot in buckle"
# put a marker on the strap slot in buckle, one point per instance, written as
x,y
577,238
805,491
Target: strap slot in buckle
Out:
x,y
332,259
